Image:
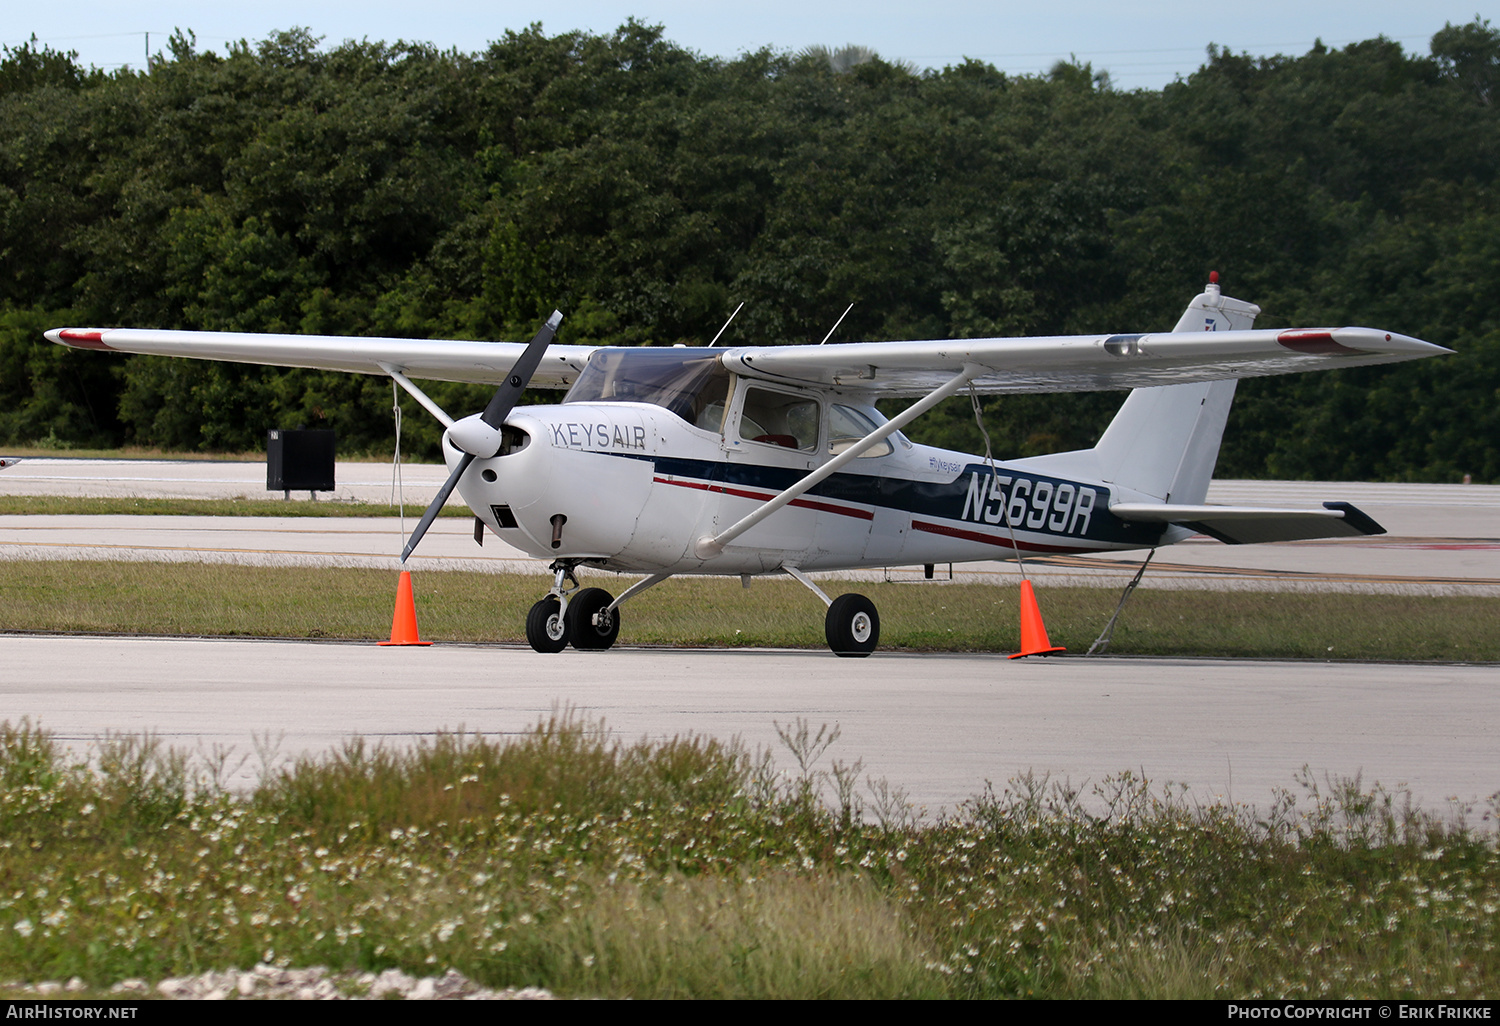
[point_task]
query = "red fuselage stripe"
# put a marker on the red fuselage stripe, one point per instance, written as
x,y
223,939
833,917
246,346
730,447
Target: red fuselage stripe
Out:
x,y
826,507
997,540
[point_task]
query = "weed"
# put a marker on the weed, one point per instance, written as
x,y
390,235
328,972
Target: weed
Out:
x,y
567,858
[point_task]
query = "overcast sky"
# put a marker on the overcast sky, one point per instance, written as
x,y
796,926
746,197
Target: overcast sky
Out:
x,y
1141,44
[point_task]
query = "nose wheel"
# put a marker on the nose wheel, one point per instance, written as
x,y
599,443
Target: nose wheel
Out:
x,y
546,627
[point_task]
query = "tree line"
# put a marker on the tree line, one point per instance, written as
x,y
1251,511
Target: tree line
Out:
x,y
646,190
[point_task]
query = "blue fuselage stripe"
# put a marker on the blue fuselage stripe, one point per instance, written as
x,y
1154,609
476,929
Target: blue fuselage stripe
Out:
x,y
955,500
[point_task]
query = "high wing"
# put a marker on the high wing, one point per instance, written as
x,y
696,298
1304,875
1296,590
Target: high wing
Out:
x,y
487,362
1076,363
1060,363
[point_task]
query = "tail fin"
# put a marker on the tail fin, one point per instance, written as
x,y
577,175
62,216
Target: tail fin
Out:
x,y
1165,440
1214,311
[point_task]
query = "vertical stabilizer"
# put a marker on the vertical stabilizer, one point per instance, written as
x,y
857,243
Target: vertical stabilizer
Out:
x,y
1214,311
1165,440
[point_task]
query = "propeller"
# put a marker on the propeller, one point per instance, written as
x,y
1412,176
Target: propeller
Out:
x,y
483,438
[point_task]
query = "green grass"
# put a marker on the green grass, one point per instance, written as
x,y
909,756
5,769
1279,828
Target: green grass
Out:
x,y
137,452
567,859
228,600
41,451
99,506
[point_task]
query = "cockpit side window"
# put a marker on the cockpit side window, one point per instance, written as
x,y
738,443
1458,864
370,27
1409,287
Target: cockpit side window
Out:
x,y
846,426
691,384
779,418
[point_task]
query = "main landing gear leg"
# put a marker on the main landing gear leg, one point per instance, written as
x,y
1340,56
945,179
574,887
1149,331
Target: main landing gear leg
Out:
x,y
852,625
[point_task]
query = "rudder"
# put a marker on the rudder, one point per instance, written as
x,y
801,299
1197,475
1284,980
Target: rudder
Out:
x,y
1165,440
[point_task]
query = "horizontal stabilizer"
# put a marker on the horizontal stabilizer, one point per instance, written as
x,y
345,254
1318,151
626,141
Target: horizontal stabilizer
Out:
x,y
1247,525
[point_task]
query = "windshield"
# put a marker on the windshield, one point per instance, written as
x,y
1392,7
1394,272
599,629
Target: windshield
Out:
x,y
690,382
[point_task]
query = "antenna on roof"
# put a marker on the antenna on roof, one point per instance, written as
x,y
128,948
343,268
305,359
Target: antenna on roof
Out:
x,y
726,325
837,323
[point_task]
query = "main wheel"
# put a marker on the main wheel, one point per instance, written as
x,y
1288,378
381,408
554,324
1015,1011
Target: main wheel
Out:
x,y
591,623
546,629
852,626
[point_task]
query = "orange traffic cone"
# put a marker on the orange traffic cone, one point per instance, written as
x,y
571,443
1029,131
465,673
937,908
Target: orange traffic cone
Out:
x,y
1033,631
404,622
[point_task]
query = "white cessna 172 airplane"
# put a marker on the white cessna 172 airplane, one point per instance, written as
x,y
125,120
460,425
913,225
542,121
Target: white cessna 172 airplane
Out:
x,y
773,459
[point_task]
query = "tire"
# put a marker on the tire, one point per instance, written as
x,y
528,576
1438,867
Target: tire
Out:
x,y
546,630
852,626
589,626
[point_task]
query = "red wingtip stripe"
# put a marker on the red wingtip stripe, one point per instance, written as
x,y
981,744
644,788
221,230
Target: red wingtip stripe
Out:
x,y
1313,342
83,338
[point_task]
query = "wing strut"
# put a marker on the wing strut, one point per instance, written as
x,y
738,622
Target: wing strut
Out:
x,y
708,547
727,324
417,394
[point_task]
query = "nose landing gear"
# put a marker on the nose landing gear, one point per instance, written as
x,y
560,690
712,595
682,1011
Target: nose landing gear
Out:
x,y
571,614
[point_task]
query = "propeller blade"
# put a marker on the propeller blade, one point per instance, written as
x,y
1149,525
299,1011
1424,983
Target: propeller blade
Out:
x,y
437,504
500,405
509,392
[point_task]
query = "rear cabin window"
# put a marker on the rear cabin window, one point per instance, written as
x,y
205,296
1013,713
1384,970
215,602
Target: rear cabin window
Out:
x,y
776,418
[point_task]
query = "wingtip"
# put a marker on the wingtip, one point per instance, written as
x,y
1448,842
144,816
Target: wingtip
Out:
x,y
78,338
1374,340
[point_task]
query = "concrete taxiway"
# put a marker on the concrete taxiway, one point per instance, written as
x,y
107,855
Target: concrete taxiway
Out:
x,y
939,726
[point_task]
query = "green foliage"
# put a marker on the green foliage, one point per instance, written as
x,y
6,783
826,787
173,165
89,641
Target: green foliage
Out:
x,y
1469,55
560,765
25,67
49,394
564,858
645,191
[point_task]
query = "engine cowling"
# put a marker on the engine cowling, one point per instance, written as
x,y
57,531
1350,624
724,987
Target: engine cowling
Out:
x,y
589,465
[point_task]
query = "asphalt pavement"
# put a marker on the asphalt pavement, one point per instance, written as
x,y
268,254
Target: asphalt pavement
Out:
x,y
1442,539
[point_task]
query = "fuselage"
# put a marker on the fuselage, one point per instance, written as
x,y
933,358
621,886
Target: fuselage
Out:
x,y
631,485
